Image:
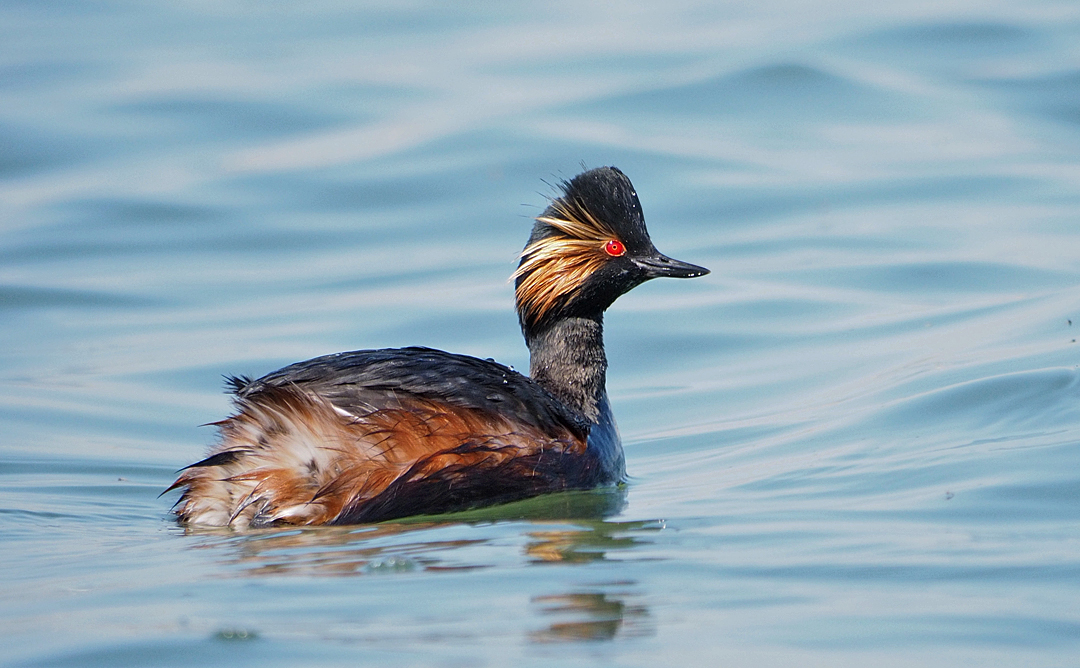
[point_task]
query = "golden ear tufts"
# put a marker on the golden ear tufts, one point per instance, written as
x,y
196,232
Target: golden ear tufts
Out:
x,y
553,268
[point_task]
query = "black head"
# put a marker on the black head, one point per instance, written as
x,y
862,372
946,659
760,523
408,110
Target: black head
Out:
x,y
586,249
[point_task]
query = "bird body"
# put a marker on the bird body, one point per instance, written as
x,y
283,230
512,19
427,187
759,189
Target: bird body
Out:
x,y
372,435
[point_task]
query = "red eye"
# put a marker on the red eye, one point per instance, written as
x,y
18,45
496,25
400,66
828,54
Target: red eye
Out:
x,y
614,248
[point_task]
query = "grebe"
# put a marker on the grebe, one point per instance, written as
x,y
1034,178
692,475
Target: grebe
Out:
x,y
374,435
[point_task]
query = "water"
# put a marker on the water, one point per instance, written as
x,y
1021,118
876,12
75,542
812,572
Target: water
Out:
x,y
855,442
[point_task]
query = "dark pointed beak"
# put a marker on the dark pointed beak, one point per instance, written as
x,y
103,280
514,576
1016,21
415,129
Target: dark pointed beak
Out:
x,y
658,265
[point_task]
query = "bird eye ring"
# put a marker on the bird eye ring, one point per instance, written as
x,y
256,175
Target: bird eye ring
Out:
x,y
614,248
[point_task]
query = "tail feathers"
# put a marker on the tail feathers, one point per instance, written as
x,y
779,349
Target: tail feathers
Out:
x,y
218,459
276,454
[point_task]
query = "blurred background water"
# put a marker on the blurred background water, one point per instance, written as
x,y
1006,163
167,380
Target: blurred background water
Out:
x,y
855,442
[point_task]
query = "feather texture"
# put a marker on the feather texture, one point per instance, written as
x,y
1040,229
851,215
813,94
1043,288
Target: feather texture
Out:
x,y
291,456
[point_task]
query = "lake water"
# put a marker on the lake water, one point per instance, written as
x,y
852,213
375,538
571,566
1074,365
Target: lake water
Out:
x,y
857,442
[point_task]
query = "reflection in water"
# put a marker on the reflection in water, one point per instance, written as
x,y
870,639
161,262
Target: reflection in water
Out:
x,y
569,528
563,528
330,551
585,542
594,616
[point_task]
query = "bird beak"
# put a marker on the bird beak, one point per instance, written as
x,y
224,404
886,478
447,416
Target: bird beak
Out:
x,y
658,264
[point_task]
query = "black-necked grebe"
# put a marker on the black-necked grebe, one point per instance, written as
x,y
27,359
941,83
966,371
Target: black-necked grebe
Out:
x,y
374,435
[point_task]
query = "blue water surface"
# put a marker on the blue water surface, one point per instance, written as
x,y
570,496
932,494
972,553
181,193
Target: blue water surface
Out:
x,y
856,442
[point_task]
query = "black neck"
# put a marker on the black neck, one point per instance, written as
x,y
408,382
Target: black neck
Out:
x,y
567,359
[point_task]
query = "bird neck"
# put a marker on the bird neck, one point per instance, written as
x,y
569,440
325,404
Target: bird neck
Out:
x,y
567,359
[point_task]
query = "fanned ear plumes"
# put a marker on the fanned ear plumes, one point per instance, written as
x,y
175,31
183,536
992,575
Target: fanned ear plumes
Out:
x,y
554,266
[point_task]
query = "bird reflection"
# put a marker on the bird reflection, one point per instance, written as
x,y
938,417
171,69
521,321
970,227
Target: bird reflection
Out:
x,y
594,616
582,543
569,528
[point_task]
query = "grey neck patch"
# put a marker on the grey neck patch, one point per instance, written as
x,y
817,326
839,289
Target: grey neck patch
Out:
x,y
567,359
